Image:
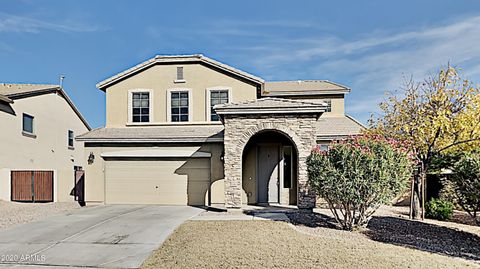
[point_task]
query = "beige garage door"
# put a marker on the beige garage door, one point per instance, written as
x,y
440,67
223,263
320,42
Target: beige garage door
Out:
x,y
163,181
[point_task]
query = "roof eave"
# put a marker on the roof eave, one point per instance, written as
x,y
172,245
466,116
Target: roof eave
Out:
x,y
5,99
334,137
305,93
32,92
297,110
57,90
75,109
356,121
181,58
149,140
338,84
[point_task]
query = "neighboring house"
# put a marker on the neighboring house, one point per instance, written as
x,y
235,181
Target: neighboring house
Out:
x,y
190,130
39,153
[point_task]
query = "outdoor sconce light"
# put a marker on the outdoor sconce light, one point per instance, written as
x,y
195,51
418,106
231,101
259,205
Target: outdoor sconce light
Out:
x,y
91,157
222,157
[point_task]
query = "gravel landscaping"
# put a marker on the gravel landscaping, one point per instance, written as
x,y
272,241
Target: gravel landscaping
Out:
x,y
391,225
278,244
17,213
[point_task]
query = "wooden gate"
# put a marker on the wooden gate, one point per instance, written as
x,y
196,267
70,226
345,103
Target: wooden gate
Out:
x,y
32,186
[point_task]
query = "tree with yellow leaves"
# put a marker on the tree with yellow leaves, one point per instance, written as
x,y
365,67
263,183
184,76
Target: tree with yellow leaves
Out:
x,y
438,115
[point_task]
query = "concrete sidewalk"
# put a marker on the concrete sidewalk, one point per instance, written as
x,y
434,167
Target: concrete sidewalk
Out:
x,y
240,215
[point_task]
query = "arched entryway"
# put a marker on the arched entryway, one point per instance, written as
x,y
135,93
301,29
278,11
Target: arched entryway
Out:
x,y
269,169
242,121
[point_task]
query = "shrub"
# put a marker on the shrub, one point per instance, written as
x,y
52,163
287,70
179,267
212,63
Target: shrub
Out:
x,y
465,181
439,209
356,175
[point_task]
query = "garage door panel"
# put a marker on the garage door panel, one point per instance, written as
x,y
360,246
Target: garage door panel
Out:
x,y
169,182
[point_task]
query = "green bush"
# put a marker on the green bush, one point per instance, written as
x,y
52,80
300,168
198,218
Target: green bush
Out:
x,y
466,183
439,209
356,175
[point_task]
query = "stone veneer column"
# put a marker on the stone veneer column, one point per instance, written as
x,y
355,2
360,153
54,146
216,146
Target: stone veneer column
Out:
x,y
306,130
232,163
240,128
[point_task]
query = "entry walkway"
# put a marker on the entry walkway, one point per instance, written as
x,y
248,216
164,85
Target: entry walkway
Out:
x,y
249,212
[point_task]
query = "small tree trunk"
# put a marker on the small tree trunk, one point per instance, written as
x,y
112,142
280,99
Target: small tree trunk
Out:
x,y
416,206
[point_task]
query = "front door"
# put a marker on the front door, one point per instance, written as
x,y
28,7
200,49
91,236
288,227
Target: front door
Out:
x,y
268,173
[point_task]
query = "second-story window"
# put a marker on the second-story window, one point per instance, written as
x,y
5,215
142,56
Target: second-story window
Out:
x,y
70,138
217,97
179,104
27,125
141,107
329,105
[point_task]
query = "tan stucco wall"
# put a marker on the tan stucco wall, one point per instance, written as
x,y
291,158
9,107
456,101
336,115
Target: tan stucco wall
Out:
x,y
159,79
53,117
95,172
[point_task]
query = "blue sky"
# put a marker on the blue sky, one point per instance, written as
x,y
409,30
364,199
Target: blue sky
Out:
x,y
366,45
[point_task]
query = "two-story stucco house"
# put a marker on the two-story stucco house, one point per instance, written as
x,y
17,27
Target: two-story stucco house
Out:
x,y
190,130
39,155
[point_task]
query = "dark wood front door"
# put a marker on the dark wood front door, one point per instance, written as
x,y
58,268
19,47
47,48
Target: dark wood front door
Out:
x,y
268,173
32,186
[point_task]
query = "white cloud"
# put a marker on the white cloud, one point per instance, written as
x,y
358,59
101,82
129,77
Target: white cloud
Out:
x,y
374,63
12,23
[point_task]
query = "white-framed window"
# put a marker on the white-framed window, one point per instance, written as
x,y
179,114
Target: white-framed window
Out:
x,y
70,138
216,96
140,106
179,105
324,147
329,105
27,123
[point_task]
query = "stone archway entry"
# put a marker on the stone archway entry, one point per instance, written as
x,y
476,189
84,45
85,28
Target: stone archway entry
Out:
x,y
295,119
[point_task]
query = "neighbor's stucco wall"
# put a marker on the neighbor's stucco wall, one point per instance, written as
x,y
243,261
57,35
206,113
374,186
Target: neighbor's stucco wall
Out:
x,y
160,79
95,172
53,117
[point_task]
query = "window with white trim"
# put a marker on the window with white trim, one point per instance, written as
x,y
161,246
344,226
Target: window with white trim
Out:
x,y
323,147
329,105
217,97
140,107
70,138
179,106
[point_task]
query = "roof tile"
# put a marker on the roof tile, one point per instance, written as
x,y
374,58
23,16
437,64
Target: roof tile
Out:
x,y
327,128
9,89
270,102
302,87
167,133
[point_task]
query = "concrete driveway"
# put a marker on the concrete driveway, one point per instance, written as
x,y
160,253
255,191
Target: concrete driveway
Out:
x,y
114,236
